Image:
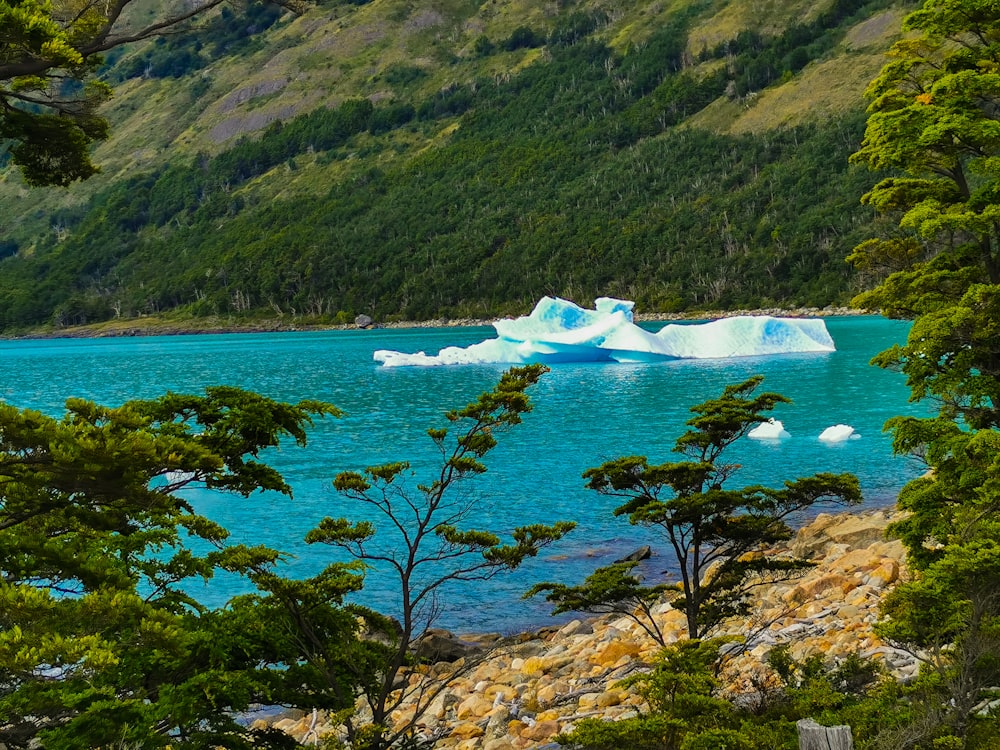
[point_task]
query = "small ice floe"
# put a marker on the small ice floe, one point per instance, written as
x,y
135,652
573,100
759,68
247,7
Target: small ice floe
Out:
x,y
838,434
772,429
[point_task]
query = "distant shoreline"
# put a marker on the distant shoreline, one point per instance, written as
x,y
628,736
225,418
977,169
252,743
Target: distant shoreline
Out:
x,y
141,327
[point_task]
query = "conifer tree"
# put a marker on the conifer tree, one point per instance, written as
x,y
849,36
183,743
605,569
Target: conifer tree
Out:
x,y
717,535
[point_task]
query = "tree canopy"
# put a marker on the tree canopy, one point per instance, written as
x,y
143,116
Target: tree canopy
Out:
x,y
426,544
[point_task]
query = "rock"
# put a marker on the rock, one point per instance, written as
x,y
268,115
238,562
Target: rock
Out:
x,y
474,707
364,321
810,588
440,645
534,666
611,654
467,731
500,692
542,683
884,574
643,553
542,730
496,727
576,627
855,530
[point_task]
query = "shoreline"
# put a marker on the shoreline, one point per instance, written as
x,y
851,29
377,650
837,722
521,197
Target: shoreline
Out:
x,y
143,327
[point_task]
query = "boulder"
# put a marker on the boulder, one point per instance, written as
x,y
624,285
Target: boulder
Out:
x,y
364,321
440,645
826,530
643,553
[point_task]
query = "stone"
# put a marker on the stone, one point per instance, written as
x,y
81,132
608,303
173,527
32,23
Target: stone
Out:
x,y
587,701
857,559
534,666
610,698
643,553
467,731
613,652
575,627
813,587
498,722
506,693
364,321
442,646
542,730
475,706
547,693
855,530
517,697
884,574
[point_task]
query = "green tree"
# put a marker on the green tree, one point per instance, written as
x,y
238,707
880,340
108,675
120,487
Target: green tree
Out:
x,y
427,547
101,642
934,121
717,535
684,711
612,589
934,116
49,52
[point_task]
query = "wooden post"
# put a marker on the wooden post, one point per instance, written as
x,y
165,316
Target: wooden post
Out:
x,y
813,736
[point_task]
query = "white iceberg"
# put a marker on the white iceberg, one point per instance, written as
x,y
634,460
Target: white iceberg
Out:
x,y
772,429
838,434
560,331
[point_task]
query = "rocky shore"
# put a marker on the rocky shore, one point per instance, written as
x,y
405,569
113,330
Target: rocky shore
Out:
x,y
220,324
523,693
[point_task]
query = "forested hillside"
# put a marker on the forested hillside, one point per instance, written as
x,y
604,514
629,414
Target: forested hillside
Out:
x,y
449,159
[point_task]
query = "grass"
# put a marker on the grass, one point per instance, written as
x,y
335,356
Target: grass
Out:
x,y
765,16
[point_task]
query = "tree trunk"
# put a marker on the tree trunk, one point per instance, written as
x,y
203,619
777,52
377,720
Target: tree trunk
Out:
x,y
813,736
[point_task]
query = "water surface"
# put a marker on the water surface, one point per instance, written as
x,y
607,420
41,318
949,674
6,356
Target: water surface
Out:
x,y
584,414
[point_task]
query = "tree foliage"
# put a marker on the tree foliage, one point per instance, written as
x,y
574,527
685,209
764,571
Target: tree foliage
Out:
x,y
478,223
100,640
934,117
934,121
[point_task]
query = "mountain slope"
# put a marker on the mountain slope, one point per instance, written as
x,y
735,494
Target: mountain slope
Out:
x,y
450,159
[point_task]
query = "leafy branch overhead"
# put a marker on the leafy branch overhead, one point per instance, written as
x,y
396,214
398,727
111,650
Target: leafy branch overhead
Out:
x,y
45,48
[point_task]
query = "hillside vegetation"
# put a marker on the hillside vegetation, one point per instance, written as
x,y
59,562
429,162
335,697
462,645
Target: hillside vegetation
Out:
x,y
446,159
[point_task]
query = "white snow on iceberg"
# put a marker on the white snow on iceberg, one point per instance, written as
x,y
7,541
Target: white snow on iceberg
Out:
x,y
772,429
560,331
838,434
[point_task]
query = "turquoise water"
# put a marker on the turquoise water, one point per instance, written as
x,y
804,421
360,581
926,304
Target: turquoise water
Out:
x,y
584,414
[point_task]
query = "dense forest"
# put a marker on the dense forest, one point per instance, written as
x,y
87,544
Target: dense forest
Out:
x,y
578,175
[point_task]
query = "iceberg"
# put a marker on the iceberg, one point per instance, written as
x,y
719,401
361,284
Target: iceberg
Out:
x,y
838,434
772,429
560,331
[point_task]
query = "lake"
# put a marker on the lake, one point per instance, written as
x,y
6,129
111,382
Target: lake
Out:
x,y
584,414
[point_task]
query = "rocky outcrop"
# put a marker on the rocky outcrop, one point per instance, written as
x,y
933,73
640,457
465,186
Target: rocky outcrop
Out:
x,y
526,692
